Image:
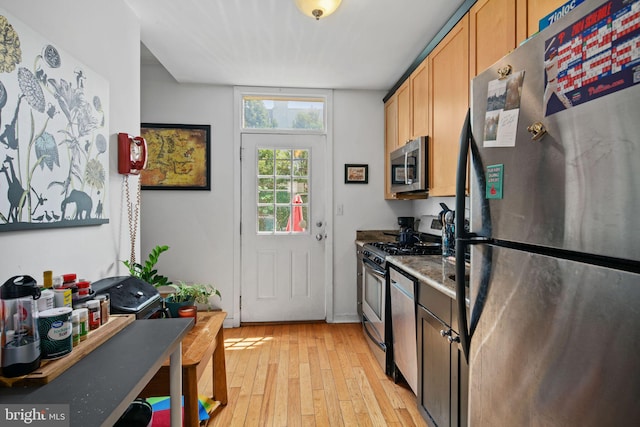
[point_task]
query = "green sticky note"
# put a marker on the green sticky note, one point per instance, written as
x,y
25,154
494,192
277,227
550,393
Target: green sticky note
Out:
x,y
494,176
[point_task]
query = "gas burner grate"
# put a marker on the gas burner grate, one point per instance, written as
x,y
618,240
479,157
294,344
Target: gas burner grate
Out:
x,y
393,248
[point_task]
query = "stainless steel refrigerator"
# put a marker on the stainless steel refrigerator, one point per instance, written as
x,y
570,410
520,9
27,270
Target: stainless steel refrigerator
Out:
x,y
552,333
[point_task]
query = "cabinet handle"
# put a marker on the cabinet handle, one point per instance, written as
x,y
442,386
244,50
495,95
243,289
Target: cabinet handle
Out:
x,y
445,333
453,339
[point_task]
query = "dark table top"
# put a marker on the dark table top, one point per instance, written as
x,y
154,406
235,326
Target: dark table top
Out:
x,y
100,387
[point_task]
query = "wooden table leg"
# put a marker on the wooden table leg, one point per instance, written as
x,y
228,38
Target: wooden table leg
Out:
x,y
219,367
191,404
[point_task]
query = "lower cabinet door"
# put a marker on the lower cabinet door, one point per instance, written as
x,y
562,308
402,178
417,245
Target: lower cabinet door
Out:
x,y
434,368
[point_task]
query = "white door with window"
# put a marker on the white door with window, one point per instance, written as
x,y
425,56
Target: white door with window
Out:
x,y
283,227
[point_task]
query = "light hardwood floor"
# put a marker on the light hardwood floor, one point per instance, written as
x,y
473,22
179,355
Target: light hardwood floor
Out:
x,y
312,374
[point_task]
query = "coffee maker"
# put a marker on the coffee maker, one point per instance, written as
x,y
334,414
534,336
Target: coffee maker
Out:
x,y
19,338
407,234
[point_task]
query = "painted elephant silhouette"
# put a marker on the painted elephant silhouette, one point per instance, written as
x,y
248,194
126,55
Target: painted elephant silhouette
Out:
x,y
83,203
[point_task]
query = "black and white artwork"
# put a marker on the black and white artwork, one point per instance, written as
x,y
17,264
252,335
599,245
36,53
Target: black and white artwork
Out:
x,y
54,158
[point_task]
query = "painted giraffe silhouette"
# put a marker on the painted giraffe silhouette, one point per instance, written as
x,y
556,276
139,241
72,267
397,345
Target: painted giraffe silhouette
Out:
x,y
6,174
15,191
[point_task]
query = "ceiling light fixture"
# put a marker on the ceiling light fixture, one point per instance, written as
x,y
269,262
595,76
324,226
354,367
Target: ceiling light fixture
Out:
x,y
318,8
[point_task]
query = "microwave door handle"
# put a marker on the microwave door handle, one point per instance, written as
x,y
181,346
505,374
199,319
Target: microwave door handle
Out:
x,y
406,168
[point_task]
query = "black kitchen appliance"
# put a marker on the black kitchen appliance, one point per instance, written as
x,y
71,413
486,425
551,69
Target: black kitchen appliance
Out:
x,y
130,295
19,339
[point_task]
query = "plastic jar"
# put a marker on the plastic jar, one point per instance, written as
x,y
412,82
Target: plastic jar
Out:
x,y
47,277
83,315
75,327
84,288
93,306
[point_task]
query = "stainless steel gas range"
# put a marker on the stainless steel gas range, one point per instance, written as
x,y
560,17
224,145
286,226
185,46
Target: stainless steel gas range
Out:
x,y
376,301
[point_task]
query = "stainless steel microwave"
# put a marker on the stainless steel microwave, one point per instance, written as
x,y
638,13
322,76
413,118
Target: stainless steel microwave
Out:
x,y
409,167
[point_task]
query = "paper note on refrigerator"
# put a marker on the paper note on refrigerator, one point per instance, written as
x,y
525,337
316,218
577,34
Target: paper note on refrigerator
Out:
x,y
503,110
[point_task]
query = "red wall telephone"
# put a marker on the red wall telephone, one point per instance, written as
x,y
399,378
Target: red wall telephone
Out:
x,y
132,154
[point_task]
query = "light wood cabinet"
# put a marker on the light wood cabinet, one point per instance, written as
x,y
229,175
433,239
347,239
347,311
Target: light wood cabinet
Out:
x,y
492,33
529,14
390,140
419,81
406,118
449,101
404,114
434,99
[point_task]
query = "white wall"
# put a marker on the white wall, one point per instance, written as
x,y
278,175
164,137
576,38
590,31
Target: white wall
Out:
x,y
104,36
198,225
358,138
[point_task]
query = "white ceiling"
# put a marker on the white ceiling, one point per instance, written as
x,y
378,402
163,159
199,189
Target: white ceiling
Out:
x,y
365,44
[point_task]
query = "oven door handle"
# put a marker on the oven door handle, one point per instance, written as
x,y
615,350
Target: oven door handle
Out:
x,y
376,339
375,268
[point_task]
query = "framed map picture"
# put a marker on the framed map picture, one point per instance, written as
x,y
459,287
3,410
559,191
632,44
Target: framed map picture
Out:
x,y
178,157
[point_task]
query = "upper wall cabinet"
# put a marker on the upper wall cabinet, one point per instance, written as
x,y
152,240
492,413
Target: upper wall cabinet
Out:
x,y
492,25
413,106
530,12
406,118
434,99
449,101
404,113
419,81
390,139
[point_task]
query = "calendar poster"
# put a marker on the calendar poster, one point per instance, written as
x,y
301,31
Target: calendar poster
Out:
x,y
593,57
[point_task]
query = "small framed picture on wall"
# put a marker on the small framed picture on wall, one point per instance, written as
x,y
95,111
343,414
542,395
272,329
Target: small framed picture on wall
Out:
x,y
356,174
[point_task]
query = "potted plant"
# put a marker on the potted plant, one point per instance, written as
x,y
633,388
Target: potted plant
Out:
x,y
189,294
146,271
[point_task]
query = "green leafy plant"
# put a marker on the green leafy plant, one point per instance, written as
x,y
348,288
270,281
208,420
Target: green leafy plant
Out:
x,y
146,271
197,292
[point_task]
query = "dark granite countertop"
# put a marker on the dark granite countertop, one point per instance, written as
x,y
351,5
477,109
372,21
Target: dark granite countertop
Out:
x,y
434,270
431,269
368,236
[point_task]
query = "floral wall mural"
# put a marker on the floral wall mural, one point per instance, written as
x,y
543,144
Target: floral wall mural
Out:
x,y
54,160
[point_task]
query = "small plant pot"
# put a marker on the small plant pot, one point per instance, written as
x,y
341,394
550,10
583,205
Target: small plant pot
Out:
x,y
189,311
174,306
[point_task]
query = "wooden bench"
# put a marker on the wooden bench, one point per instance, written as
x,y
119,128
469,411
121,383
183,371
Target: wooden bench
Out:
x,y
203,343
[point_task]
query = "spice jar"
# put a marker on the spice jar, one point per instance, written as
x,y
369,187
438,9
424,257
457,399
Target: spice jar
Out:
x,y
75,327
47,279
105,308
84,288
93,306
83,315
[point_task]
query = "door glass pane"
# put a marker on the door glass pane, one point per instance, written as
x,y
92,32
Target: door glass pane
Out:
x,y
266,220
282,217
283,113
283,191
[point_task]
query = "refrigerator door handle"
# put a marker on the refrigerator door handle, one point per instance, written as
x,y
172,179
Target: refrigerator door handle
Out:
x,y
462,237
